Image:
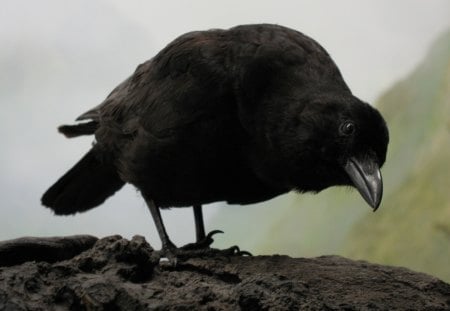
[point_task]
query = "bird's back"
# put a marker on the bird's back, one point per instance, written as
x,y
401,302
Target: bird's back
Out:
x,y
180,127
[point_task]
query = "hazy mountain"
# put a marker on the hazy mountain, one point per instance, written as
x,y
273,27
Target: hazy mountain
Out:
x,y
412,226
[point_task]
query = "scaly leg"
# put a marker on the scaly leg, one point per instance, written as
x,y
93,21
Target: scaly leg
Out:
x,y
200,248
199,224
203,241
167,245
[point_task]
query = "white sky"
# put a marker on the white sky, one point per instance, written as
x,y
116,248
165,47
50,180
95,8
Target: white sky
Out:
x,y
373,42
59,58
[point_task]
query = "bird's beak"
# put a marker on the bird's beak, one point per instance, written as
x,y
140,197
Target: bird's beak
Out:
x,y
366,177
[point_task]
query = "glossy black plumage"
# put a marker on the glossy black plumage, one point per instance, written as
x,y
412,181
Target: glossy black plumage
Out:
x,y
239,115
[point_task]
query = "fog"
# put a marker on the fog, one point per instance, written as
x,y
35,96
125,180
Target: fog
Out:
x,y
60,58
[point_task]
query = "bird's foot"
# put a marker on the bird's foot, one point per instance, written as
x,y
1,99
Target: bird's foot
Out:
x,y
169,251
202,248
227,252
203,243
184,254
199,249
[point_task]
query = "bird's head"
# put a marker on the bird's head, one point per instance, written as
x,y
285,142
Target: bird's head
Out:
x,y
346,143
328,140
308,132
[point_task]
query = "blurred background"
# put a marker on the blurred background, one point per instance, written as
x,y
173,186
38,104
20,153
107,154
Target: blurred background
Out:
x,y
60,58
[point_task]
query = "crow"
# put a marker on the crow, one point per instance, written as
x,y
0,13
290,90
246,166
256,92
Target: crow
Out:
x,y
239,115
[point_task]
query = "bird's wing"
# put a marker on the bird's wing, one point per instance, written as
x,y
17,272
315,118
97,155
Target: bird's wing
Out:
x,y
124,96
188,82
121,109
113,98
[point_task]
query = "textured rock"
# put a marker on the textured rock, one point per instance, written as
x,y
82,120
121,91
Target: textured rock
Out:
x,y
54,249
117,274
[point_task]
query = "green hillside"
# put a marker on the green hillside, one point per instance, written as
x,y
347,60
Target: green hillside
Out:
x,y
412,226
414,230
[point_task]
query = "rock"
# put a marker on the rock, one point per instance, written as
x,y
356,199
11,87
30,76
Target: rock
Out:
x,y
117,274
54,249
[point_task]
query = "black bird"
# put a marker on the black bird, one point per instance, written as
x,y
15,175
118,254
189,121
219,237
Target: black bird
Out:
x,y
239,115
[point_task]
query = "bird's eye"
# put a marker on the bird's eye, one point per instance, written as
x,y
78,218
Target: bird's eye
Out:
x,y
347,128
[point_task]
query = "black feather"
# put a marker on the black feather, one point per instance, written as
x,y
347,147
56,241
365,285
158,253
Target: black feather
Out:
x,y
89,183
87,128
239,115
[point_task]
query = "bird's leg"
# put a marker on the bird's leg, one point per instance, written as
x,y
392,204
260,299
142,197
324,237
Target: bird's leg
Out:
x,y
199,224
203,241
200,248
167,245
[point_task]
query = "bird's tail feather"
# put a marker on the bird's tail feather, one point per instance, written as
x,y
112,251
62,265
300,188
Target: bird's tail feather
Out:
x,y
88,184
86,128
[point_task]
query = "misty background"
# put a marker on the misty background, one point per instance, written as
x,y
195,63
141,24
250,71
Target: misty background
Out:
x,y
58,59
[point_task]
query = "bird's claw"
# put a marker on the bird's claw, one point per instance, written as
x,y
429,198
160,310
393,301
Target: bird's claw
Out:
x,y
233,251
202,244
209,235
199,249
180,254
170,252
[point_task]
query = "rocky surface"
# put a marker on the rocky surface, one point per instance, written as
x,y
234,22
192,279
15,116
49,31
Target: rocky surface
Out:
x,y
117,274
